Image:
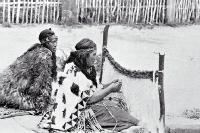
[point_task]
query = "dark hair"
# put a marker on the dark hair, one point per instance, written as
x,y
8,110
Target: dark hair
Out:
x,y
45,33
79,58
85,44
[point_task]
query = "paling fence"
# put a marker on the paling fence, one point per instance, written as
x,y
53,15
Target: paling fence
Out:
x,y
122,11
186,10
100,11
30,11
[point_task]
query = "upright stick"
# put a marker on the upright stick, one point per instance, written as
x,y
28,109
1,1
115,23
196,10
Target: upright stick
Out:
x,y
161,89
18,11
13,11
4,7
105,40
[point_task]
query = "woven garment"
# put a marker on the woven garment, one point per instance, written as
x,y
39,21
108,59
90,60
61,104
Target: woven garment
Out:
x,y
70,94
26,83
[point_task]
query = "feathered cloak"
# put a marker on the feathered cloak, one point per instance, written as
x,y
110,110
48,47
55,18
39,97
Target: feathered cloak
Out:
x,y
26,84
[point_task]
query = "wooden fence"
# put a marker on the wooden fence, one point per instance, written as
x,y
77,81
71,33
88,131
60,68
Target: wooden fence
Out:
x,y
100,11
122,11
30,11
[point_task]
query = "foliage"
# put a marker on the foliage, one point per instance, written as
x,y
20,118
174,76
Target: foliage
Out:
x,y
192,113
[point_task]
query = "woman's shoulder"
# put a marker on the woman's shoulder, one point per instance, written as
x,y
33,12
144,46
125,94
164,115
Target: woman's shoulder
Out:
x,y
37,51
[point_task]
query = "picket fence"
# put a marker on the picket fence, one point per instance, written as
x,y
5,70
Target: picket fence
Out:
x,y
101,11
122,11
30,11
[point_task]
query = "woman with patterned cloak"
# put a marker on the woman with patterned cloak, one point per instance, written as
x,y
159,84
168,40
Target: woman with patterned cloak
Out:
x,y
83,104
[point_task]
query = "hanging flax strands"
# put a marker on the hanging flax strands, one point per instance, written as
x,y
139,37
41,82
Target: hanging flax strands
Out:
x,y
139,85
30,11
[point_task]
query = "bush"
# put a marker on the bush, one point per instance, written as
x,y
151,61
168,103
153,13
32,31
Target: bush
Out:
x,y
192,113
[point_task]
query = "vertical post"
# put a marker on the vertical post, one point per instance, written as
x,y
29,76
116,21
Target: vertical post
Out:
x,y
103,11
50,11
31,15
58,11
43,10
54,11
36,11
161,89
99,11
170,11
8,11
13,11
3,15
39,10
18,11
23,12
105,40
27,10
47,12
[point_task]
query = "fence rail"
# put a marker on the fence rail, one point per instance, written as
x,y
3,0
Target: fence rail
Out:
x,y
30,11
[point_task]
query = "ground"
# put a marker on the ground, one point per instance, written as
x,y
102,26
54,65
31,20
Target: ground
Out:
x,y
134,49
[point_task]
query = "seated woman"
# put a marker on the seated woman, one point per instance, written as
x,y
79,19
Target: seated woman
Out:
x,y
82,103
26,83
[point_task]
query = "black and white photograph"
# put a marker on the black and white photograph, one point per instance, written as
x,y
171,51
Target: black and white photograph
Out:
x,y
99,66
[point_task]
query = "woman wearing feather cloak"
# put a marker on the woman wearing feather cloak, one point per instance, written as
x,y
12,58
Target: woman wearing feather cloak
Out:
x,y
26,83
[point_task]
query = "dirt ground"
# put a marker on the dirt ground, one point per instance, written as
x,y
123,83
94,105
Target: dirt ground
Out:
x,y
28,124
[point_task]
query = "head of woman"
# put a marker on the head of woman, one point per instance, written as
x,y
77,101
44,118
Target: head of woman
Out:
x,y
48,38
84,58
85,55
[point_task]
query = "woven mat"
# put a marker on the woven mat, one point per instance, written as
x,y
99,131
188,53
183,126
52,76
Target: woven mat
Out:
x,y
8,113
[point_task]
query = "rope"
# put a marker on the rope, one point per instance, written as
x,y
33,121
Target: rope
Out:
x,y
132,74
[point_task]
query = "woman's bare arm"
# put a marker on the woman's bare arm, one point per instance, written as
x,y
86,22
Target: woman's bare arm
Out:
x,y
103,92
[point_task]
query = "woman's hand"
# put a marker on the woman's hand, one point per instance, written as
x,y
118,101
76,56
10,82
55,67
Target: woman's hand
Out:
x,y
105,50
116,80
116,86
98,95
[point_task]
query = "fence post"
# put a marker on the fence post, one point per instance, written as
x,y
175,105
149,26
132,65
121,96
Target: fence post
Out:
x,y
18,11
68,10
8,11
170,11
13,11
43,10
3,14
105,41
161,89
